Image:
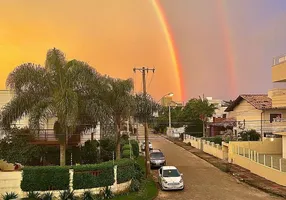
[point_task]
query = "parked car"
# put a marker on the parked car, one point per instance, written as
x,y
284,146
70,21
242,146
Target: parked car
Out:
x,y
170,178
155,150
143,146
157,158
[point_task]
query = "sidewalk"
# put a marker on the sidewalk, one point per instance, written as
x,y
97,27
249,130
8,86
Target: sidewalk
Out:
x,y
240,173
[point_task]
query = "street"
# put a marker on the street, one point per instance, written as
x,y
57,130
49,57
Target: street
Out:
x,y
202,180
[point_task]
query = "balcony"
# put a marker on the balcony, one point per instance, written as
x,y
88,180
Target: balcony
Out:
x,y
47,137
276,127
279,69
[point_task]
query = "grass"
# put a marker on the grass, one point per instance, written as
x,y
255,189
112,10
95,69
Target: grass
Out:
x,y
148,190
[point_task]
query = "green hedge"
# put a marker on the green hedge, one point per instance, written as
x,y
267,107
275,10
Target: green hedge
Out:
x,y
135,148
45,178
126,153
126,147
92,176
125,170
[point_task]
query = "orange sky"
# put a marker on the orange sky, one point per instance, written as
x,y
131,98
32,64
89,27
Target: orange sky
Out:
x,y
113,36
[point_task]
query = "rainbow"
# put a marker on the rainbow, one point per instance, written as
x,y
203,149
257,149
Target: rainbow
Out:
x,y
171,45
230,63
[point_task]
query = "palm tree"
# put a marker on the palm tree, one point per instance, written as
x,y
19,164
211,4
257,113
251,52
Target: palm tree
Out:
x,y
60,89
205,109
120,102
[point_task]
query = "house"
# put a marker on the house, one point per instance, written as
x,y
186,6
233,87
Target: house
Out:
x,y
278,95
255,111
45,135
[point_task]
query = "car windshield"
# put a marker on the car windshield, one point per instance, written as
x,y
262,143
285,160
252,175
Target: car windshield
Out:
x,y
171,173
156,155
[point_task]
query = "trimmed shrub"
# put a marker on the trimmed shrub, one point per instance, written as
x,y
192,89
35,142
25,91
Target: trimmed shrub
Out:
x,y
45,178
126,147
126,153
92,176
135,148
125,170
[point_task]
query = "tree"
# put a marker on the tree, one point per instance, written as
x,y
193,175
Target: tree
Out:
x,y
144,107
59,89
119,100
198,109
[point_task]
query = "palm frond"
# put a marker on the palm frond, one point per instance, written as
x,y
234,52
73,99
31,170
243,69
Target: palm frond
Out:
x,y
20,105
40,112
27,77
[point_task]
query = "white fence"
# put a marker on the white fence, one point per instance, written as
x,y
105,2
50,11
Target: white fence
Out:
x,y
207,146
11,182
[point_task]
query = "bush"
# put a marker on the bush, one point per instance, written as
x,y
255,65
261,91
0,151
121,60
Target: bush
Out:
x,y
216,140
107,147
126,147
15,148
89,152
126,154
45,178
92,176
250,135
135,148
125,170
9,196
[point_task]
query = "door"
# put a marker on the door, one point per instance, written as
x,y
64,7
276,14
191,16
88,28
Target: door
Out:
x,y
160,176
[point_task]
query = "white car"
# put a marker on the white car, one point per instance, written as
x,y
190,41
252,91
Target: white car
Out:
x,y
143,146
170,178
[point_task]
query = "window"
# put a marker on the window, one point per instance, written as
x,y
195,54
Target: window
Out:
x,y
171,173
274,117
160,171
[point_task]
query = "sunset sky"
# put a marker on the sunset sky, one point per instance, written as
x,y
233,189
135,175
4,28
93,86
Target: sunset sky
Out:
x,y
224,47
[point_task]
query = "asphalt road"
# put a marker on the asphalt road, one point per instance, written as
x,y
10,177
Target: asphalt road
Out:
x,y
202,180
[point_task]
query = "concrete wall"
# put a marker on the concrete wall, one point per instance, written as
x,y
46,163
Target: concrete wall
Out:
x,y
258,166
208,147
284,146
267,146
260,157
11,182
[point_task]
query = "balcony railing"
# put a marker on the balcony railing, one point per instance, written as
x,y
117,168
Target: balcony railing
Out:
x,y
47,136
279,59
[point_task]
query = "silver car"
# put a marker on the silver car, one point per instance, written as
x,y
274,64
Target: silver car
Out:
x,y
157,159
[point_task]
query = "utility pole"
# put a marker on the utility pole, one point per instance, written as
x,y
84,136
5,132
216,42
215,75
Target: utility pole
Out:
x,y
143,70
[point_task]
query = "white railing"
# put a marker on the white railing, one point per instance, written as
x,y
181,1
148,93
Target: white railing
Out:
x,y
275,162
279,59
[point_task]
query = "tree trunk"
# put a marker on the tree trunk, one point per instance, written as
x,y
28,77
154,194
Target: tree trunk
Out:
x,y
117,129
63,154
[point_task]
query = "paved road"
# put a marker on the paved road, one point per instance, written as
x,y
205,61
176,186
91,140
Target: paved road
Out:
x,y
202,180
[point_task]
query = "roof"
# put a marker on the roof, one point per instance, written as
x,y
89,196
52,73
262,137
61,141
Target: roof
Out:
x,y
227,122
258,101
168,167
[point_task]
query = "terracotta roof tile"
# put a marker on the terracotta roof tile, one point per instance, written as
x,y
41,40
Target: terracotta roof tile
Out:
x,y
259,101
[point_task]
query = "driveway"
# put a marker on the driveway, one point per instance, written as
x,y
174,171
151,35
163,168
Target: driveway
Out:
x,y
202,180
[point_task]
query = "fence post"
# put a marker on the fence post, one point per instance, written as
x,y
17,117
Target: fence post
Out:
x,y
271,162
249,156
257,157
115,177
71,179
264,159
238,150
244,152
280,164
254,156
